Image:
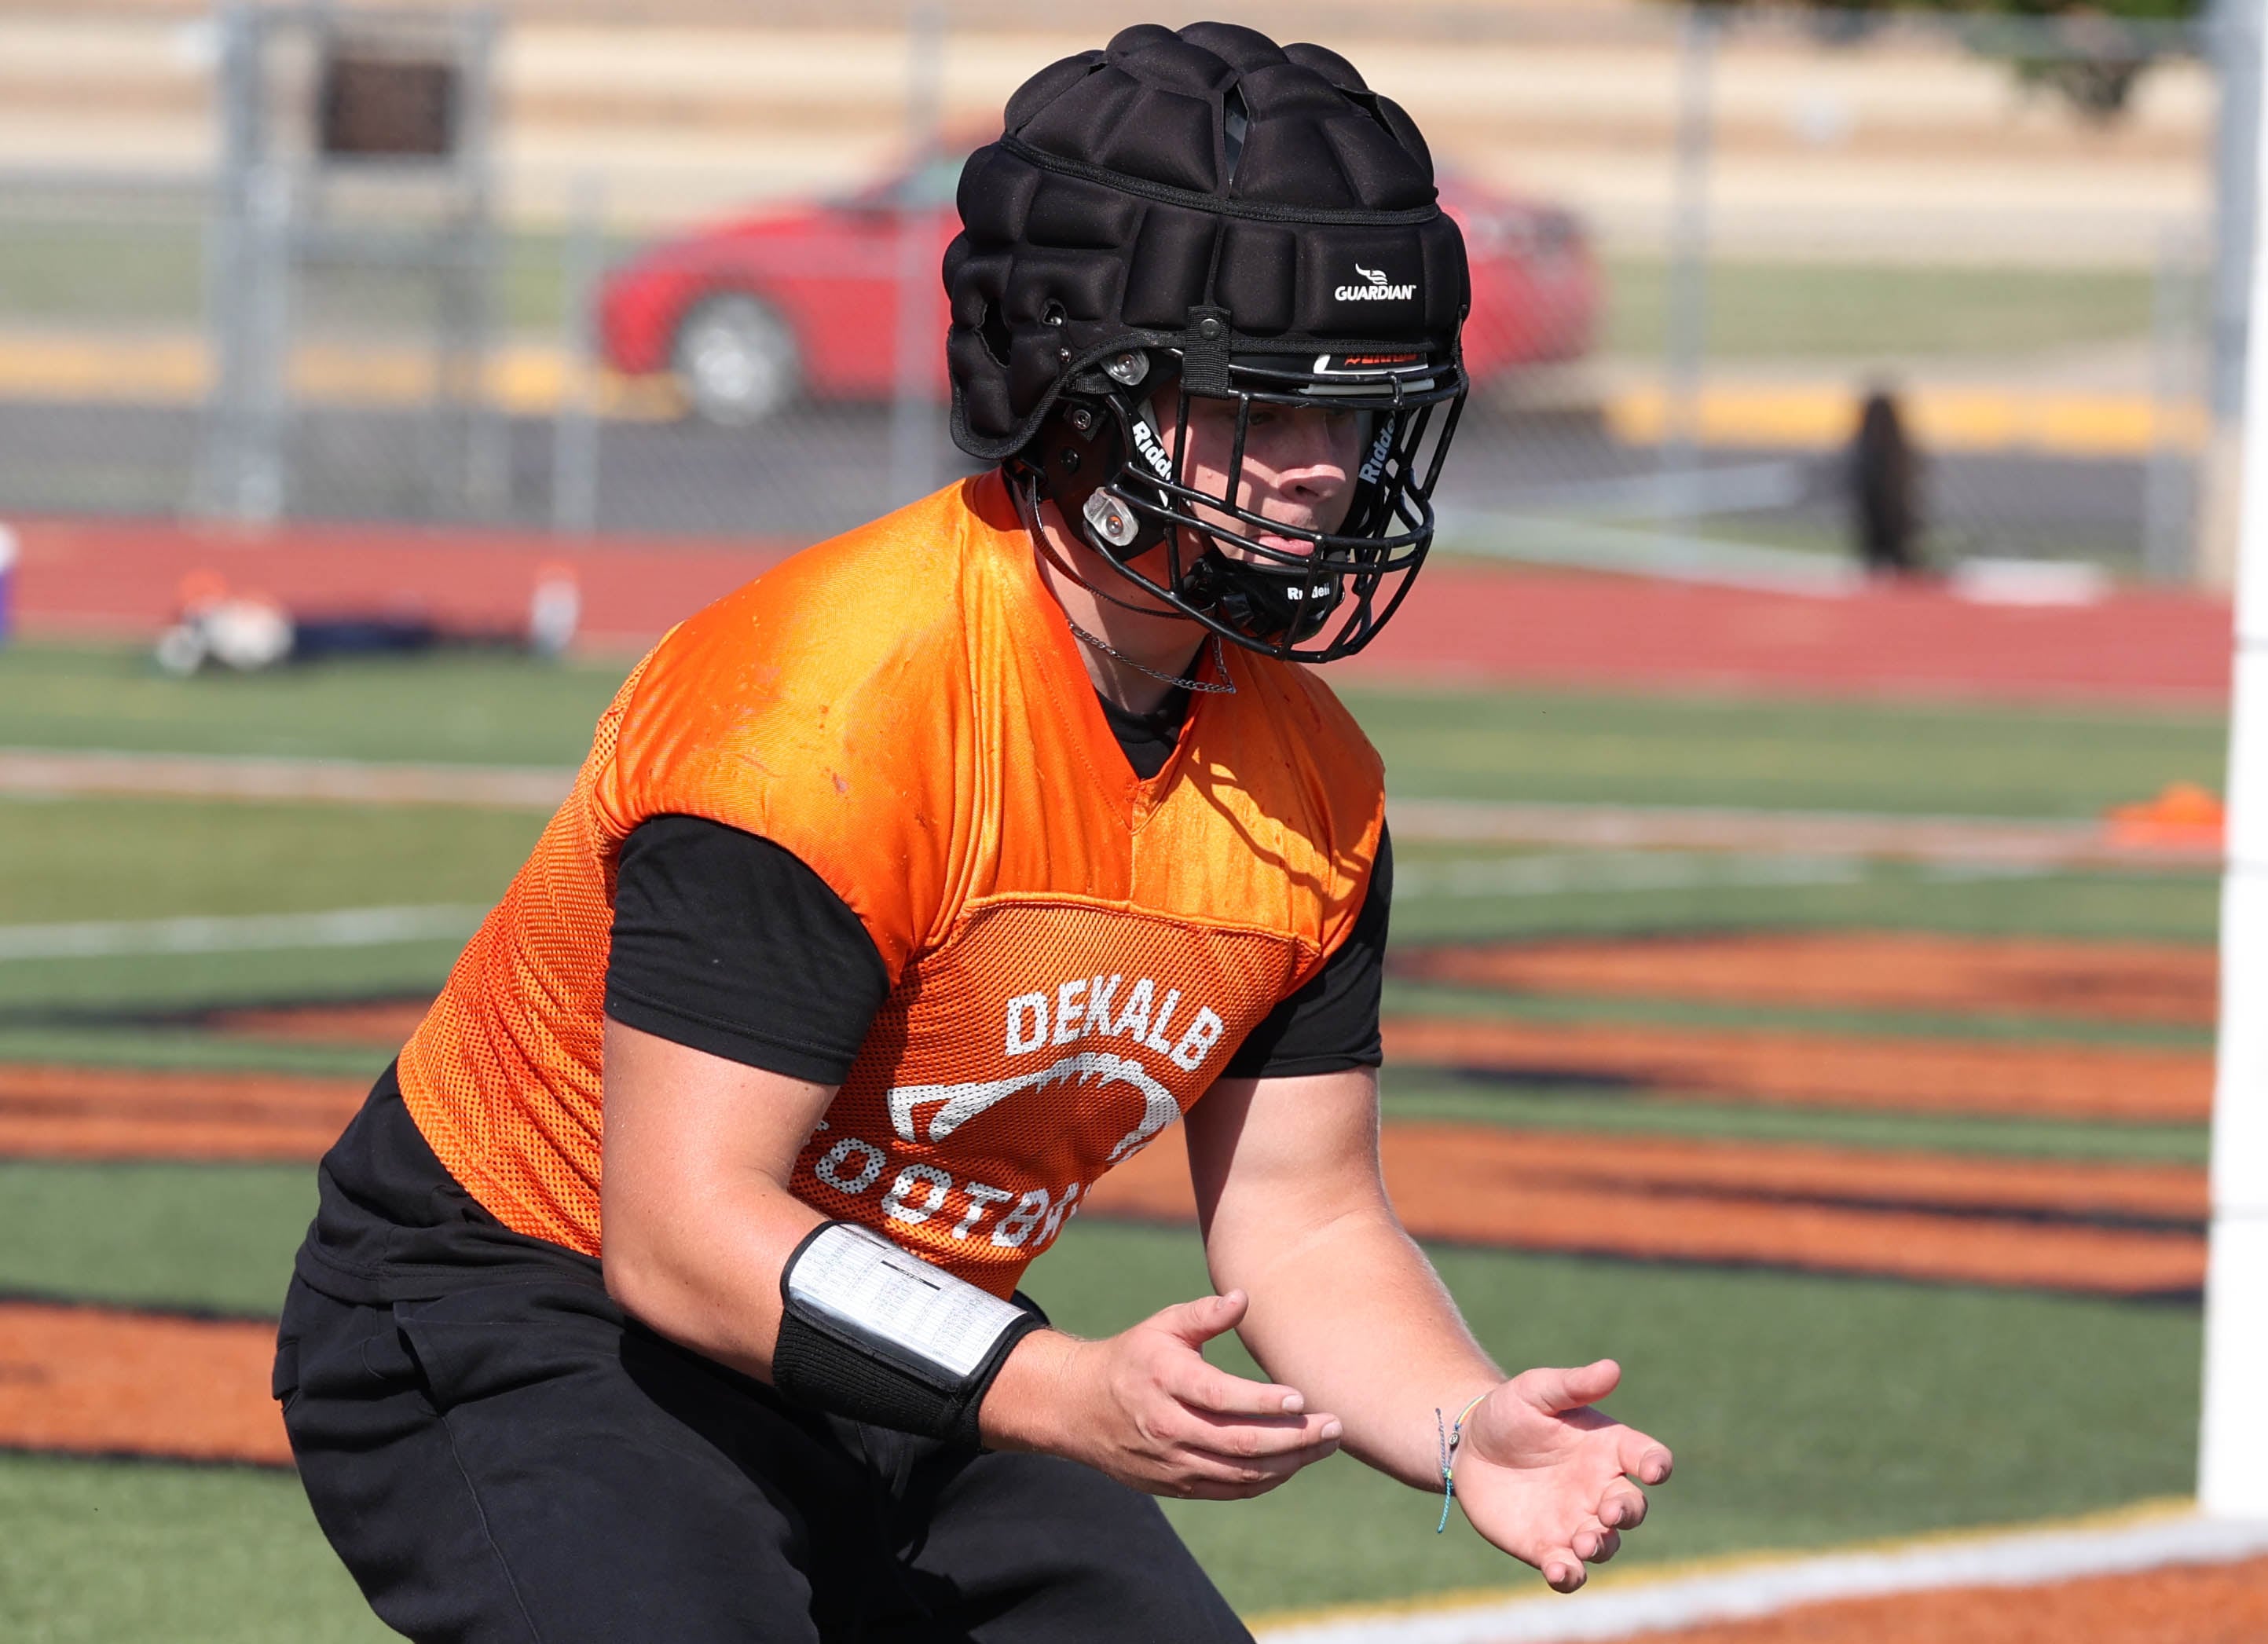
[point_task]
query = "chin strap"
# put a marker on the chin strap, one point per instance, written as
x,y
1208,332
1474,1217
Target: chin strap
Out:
x,y
1028,507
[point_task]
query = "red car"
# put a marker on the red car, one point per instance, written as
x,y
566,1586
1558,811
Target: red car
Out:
x,y
806,302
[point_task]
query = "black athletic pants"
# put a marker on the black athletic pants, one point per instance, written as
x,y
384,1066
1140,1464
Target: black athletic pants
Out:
x,y
518,1462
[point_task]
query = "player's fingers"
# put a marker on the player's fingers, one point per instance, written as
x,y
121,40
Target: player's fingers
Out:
x,y
1218,1489
1199,1321
1622,1508
1646,1459
1597,1545
1237,1439
1253,1473
1554,1390
1562,1570
1202,1387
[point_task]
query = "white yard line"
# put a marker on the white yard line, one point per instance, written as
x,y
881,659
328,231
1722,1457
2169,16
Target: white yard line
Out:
x,y
1594,872
1591,872
1801,832
1616,1608
67,773
1820,835
239,933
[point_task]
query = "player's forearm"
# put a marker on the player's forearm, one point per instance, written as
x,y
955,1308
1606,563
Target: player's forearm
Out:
x,y
1350,1313
1038,1395
705,1270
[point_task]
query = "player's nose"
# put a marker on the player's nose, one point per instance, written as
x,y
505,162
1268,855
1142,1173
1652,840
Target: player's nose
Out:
x,y
1312,463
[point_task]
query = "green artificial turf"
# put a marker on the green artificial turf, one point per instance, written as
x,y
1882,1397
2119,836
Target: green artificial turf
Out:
x,y
113,1553
216,1237
76,271
126,1045
1804,1412
73,860
288,974
134,860
140,859
1807,1410
1784,311
1564,746
1410,998
1908,759
1426,1093
2168,907
499,709
72,270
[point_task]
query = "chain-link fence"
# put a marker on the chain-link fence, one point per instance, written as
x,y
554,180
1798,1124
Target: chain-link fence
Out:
x,y
675,271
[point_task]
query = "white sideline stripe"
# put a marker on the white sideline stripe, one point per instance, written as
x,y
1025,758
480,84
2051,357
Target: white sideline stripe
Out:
x,y
58,773
1874,835
54,772
335,928
1590,872
1564,875
2021,1558
1984,840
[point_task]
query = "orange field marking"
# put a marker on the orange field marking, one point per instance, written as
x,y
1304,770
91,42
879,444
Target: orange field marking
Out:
x,y
1937,1181
1706,1202
99,1382
1918,1215
2224,1603
145,1113
388,1022
2156,982
2093,1082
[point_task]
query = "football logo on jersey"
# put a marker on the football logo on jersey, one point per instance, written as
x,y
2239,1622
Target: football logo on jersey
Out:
x,y
1048,1026
1084,1008
960,1103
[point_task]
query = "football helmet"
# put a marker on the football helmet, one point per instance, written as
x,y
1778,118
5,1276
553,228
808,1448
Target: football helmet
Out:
x,y
1204,213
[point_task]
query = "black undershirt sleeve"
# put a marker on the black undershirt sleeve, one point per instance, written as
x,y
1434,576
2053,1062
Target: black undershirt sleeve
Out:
x,y
729,943
1332,1023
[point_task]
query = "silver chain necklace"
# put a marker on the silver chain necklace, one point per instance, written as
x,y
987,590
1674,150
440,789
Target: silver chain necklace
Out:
x,y
1027,510
1227,687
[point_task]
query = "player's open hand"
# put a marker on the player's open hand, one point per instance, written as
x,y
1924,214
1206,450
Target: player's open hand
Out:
x,y
1146,1408
1547,1477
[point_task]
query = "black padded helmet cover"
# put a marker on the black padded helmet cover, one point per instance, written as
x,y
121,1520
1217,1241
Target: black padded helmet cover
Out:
x,y
1207,168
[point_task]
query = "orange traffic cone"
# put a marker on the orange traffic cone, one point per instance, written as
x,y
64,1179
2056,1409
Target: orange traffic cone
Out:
x,y
2184,816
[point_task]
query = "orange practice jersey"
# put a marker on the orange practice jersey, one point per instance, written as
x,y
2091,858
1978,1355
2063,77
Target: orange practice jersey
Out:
x,y
1075,953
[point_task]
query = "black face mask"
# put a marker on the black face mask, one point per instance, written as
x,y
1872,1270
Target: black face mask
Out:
x,y
1100,456
1275,606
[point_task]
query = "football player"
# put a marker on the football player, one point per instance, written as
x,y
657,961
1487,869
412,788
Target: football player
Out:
x,y
667,1286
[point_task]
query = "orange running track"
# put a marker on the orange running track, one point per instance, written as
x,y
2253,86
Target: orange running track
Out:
x,y
1943,1217
1859,970
94,1381
1464,624
2118,1082
2191,1604
385,1022
144,1113
1709,1203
